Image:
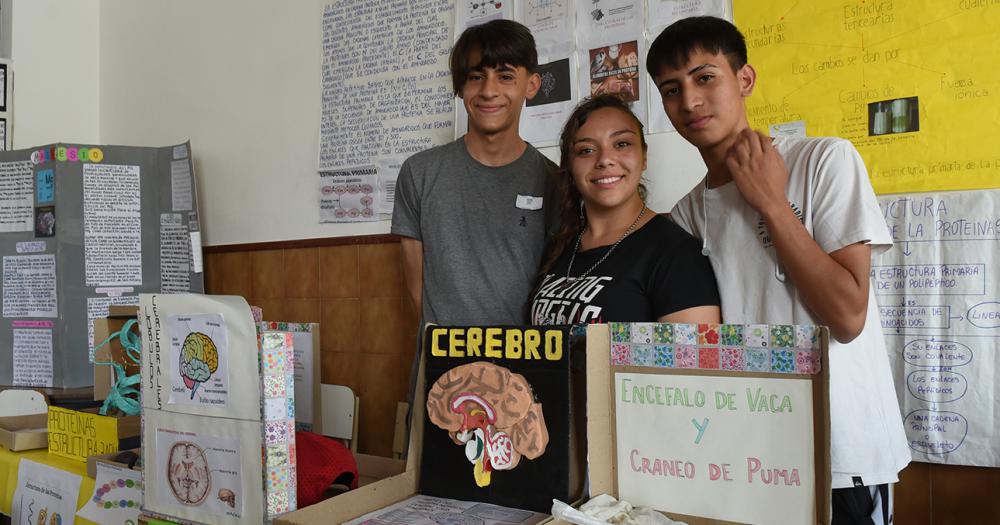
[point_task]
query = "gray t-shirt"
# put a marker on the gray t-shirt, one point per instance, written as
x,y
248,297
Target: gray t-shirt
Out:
x,y
483,231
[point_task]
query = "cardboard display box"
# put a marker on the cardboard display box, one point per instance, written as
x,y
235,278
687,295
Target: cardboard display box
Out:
x,y
92,461
24,432
104,375
602,441
601,445
375,495
128,430
395,488
374,468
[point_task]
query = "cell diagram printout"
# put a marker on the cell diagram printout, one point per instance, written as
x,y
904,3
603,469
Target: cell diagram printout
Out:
x,y
938,292
386,92
912,84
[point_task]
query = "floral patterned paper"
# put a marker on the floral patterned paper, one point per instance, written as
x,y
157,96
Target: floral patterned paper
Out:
x,y
790,349
278,414
642,355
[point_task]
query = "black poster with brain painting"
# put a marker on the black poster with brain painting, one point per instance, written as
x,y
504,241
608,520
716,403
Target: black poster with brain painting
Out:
x,y
505,415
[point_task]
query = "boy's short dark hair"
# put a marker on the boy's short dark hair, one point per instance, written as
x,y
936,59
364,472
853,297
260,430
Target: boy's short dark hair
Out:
x,y
707,33
498,43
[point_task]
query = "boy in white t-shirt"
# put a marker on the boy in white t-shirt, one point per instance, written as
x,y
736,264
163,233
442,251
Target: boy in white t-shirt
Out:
x,y
789,226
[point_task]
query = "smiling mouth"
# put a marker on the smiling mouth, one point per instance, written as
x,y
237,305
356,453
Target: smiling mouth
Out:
x,y
608,180
489,109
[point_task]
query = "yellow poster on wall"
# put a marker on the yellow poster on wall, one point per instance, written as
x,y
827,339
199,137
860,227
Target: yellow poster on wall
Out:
x,y
915,85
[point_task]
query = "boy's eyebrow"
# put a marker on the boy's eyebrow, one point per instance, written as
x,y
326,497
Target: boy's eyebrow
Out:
x,y
699,68
500,68
692,71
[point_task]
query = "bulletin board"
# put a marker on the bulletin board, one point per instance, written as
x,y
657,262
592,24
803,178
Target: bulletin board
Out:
x,y
721,423
82,228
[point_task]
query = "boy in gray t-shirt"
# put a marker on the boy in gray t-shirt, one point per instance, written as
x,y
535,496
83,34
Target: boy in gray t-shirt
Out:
x,y
471,212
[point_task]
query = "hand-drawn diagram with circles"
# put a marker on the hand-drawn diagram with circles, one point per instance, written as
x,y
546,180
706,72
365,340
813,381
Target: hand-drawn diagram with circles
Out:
x,y
352,200
188,473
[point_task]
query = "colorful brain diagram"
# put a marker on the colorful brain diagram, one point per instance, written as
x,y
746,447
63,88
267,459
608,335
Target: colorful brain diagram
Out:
x,y
199,360
491,412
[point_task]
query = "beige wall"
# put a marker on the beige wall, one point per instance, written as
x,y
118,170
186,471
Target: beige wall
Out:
x,y
56,61
241,79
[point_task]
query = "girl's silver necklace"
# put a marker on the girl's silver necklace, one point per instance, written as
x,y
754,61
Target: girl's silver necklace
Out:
x,y
576,248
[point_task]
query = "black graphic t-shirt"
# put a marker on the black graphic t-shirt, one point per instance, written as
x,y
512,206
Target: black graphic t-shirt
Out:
x,y
655,271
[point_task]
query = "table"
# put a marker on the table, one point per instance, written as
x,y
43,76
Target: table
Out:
x,y
9,462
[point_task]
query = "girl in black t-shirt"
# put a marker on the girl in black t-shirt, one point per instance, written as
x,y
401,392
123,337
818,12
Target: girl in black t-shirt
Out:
x,y
613,259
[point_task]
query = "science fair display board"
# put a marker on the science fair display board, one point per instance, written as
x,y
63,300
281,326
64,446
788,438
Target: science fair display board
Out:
x,y
504,416
84,227
218,411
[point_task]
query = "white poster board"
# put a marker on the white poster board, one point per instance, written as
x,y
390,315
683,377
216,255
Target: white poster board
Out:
x,y
939,300
721,422
698,440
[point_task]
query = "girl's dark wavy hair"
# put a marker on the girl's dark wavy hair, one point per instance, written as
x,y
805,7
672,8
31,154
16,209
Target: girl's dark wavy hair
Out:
x,y
567,197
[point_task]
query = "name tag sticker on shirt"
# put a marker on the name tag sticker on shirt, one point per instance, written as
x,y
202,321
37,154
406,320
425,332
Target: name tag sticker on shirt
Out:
x,y
527,202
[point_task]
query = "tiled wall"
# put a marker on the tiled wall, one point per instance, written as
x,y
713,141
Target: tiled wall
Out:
x,y
356,293
932,494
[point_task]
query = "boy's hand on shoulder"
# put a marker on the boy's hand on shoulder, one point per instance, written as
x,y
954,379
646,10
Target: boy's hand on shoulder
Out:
x,y
759,171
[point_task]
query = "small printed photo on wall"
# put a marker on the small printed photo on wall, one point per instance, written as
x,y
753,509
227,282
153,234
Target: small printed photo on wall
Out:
x,y
901,115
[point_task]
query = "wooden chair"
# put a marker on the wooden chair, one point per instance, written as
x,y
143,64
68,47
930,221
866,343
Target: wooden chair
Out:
x,y
15,402
340,414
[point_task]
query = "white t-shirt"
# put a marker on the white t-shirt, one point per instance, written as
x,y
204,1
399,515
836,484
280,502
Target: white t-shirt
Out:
x,y
829,190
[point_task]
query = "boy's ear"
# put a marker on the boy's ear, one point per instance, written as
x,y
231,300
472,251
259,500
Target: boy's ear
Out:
x,y
747,78
534,83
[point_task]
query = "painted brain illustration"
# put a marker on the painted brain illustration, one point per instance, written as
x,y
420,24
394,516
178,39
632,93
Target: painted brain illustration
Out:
x,y
492,412
199,360
188,473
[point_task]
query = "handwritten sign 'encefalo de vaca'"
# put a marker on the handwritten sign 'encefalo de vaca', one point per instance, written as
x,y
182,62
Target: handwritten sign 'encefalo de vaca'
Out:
x,y
711,427
77,435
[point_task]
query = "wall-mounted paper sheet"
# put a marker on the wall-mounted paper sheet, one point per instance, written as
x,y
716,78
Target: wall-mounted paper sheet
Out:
x,y
386,88
388,172
599,21
551,23
884,76
16,213
350,195
543,117
474,12
616,66
939,299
